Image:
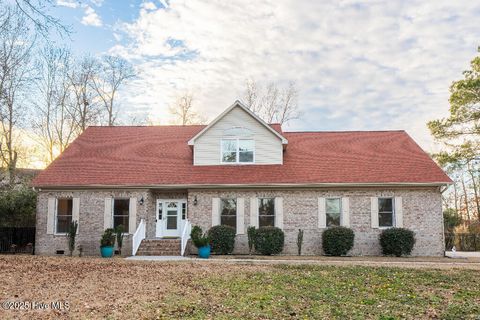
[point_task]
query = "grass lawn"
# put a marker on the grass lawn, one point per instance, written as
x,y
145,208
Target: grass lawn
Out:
x,y
116,288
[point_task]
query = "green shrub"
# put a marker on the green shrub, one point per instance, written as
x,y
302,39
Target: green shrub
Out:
x,y
300,241
108,238
71,235
18,207
397,241
451,219
119,234
269,240
199,239
222,239
337,241
251,238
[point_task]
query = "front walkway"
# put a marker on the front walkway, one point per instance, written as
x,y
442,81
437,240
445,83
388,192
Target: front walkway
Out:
x,y
463,254
404,262
159,258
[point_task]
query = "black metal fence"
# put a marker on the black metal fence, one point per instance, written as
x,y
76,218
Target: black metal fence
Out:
x,y
462,241
17,240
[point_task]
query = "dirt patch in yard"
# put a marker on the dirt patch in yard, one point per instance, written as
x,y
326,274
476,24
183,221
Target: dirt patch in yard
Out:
x,y
95,287
122,289
362,258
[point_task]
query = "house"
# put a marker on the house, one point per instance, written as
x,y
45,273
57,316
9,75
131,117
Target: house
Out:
x,y
158,181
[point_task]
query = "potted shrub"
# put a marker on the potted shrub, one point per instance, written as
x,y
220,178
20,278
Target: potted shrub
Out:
x,y
107,243
337,241
201,241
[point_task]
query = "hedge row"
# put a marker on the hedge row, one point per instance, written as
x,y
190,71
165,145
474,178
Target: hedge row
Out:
x,y
336,241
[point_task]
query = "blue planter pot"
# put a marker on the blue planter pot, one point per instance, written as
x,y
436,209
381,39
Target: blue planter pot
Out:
x,y
107,252
204,252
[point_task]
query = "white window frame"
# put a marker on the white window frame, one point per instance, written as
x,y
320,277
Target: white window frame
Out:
x,y
113,214
237,151
341,211
55,220
393,213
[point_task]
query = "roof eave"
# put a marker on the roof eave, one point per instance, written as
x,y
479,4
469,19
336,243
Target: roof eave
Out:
x,y
237,103
254,185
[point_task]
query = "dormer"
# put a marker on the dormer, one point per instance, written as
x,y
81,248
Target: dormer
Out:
x,y
238,137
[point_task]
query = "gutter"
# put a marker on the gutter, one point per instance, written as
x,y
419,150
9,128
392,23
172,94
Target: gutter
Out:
x,y
249,186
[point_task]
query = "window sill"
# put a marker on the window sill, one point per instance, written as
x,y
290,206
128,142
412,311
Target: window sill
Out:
x,y
237,163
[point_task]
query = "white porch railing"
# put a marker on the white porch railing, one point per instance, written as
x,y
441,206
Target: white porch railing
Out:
x,y
187,228
138,236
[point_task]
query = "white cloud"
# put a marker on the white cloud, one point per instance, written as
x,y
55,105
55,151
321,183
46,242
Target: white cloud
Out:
x,y
358,66
98,3
148,5
68,3
91,18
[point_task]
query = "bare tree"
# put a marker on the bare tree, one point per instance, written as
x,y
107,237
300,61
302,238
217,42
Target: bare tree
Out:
x,y
85,110
112,73
272,104
37,12
54,124
184,112
251,96
16,43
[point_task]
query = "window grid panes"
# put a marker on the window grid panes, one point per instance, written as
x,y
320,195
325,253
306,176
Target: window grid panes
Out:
x,y
184,211
238,150
245,150
172,213
385,212
266,212
228,212
121,213
64,215
160,210
333,211
229,151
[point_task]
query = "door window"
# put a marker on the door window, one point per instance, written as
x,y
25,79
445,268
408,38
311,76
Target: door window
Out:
x,y
172,213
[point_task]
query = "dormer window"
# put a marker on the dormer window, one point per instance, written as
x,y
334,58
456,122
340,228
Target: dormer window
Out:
x,y
238,151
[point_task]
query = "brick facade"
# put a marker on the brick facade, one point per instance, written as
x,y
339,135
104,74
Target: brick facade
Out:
x,y
422,213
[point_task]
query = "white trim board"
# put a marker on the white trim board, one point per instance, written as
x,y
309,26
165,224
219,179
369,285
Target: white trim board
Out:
x,y
237,103
242,186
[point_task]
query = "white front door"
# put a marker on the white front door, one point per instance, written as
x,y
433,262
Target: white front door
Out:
x,y
171,215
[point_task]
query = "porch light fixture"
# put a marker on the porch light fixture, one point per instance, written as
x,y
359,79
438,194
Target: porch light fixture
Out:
x,y
141,201
195,201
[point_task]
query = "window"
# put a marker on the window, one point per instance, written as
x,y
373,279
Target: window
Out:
x,y
64,215
385,212
266,212
121,210
184,210
172,214
333,210
238,150
228,212
245,150
229,151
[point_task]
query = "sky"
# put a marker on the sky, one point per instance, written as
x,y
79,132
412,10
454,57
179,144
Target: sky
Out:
x,y
357,65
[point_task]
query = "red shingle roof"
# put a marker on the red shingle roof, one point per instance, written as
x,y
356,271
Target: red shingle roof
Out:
x,y
159,155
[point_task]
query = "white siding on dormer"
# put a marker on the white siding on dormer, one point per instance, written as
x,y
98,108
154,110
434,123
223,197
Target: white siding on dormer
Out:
x,y
268,147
